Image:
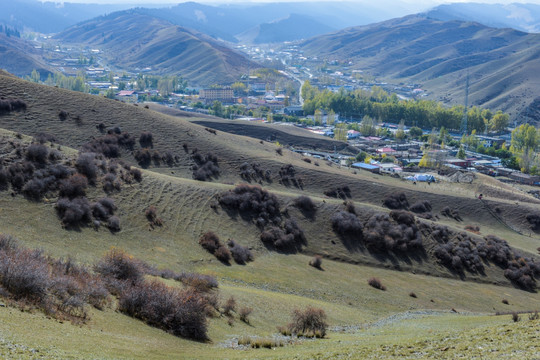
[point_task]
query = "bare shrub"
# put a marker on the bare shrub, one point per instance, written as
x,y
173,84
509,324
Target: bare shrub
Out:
x,y
63,115
515,317
252,202
137,174
279,151
118,265
451,213
421,206
37,153
316,262
412,294
308,160
305,204
143,157
180,312
223,254
200,282
349,207
151,216
24,274
85,165
396,201
210,242
505,302
289,239
244,314
74,186
310,323
240,254
74,212
473,228
534,316
342,192
347,224
229,306
376,283
114,223
146,140
254,172
206,167
534,220
381,234
287,174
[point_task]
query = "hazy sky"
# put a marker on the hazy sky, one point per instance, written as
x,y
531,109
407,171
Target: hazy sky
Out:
x,y
415,3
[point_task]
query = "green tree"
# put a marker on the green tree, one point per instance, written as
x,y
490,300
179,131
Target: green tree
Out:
x,y
318,117
331,118
35,76
461,153
367,126
110,93
415,132
499,122
239,88
217,108
525,140
340,132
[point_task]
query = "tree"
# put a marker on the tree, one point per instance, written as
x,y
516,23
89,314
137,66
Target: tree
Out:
x,y
270,117
340,132
525,140
239,88
400,133
461,153
331,118
367,126
217,108
415,132
499,122
318,117
35,76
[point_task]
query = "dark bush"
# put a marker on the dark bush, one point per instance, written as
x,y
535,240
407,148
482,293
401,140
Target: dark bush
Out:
x,y
451,213
74,212
43,137
289,239
412,294
85,165
381,234
239,253
316,262
504,301
24,274
37,153
287,174
349,207
305,204
376,283
35,189
146,140
254,172
308,160
279,151
402,217
473,228
74,186
210,242
223,254
206,167
254,203
143,157
4,179
342,192
180,312
311,322
534,220
421,206
151,216
200,282
137,174
347,224
103,209
515,317
114,223
63,115
396,201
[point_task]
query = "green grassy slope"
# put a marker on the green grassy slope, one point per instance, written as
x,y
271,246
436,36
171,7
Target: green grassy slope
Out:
x,y
274,283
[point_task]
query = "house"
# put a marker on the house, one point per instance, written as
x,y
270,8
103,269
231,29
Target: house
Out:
x,y
371,168
525,178
386,150
294,110
128,96
225,95
457,162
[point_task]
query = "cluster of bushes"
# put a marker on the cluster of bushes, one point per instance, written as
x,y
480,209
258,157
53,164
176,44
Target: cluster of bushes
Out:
x,y
467,253
211,243
342,192
287,176
534,220
109,144
420,207
254,203
290,238
254,172
8,105
240,254
181,312
381,234
376,283
396,201
146,139
310,322
316,262
59,287
473,228
206,166
451,213
347,224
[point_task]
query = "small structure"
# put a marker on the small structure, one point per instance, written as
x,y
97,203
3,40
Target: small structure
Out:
x,y
371,168
525,178
225,95
128,96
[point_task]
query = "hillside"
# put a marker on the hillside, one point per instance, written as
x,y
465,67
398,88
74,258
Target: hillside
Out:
x,y
440,54
19,57
519,16
135,41
293,27
279,279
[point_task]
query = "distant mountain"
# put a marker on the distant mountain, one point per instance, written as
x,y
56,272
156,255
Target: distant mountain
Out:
x,y
293,27
50,17
502,63
235,21
133,40
19,57
524,17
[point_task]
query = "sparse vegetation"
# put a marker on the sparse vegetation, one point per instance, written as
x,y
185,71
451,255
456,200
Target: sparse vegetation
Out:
x,y
310,322
343,192
396,201
316,262
376,283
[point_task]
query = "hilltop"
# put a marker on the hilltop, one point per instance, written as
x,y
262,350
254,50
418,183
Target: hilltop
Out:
x,y
279,279
134,41
440,55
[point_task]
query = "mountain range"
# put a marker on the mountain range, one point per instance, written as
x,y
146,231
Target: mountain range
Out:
x,y
500,63
134,40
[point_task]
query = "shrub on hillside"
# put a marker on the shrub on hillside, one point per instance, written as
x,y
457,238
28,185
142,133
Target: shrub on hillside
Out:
x,y
349,207
310,322
74,212
421,206
253,202
396,201
206,166
180,312
229,306
146,140
74,186
254,172
376,283
347,224
151,216
451,213
223,254
143,157
240,254
381,234
342,192
289,239
200,282
305,204
244,314
113,223
287,174
316,262
534,220
85,165
37,153
210,242
118,265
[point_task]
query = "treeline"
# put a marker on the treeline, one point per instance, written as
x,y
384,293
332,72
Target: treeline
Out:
x,y
9,32
378,104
